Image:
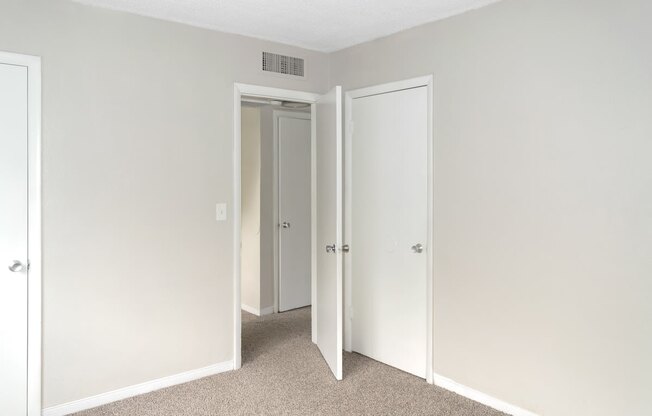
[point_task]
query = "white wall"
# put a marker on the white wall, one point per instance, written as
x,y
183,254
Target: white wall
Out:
x,y
137,149
543,197
250,203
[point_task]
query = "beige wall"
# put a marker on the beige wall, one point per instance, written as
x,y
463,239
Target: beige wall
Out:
x,y
250,202
267,220
258,221
543,197
137,150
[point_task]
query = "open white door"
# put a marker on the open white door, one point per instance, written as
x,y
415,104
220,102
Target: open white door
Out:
x,y
329,228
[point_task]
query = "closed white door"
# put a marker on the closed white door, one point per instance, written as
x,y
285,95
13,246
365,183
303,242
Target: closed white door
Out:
x,y
13,240
294,172
389,199
329,228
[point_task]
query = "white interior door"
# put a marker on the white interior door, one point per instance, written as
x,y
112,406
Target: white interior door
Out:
x,y
389,228
13,240
329,228
294,131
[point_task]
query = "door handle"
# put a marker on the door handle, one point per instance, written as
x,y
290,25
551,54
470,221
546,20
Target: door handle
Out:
x,y
331,248
417,248
345,248
16,266
285,224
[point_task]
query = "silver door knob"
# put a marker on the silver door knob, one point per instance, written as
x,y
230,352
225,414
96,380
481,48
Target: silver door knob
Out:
x,y
16,266
345,248
417,248
285,224
331,248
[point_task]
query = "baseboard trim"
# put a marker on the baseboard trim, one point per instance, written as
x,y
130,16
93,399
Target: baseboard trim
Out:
x,y
267,311
250,309
135,390
477,396
257,312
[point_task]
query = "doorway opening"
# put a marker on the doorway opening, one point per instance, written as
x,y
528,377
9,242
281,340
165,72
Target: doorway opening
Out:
x,y
326,196
276,221
275,205
274,216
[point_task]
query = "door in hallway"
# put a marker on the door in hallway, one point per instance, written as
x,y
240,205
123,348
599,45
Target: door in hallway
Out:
x,y
294,180
389,220
13,239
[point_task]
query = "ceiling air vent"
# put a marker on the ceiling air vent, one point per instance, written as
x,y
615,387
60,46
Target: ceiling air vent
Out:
x,y
283,64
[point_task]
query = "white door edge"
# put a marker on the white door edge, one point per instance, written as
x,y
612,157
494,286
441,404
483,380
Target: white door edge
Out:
x,y
424,81
34,319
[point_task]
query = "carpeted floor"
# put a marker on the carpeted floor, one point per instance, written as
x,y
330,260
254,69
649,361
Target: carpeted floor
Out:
x,y
283,373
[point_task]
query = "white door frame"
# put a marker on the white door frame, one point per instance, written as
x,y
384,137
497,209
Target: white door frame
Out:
x,y
276,201
278,94
34,274
425,81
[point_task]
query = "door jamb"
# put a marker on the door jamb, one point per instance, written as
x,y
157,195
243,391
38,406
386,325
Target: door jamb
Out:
x,y
424,81
276,198
239,90
34,274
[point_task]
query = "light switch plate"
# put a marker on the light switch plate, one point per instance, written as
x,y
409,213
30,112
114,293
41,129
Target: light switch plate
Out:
x,y
220,212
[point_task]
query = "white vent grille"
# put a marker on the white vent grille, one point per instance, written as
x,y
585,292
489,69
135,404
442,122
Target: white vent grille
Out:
x,y
282,64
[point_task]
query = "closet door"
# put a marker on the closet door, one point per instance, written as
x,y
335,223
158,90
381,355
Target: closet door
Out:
x,y
389,223
13,239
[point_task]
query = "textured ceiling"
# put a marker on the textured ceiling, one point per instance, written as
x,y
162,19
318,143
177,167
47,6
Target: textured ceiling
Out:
x,y
323,25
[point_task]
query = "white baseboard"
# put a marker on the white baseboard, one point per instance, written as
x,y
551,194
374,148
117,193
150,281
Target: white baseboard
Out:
x,y
135,390
250,309
267,311
477,396
257,312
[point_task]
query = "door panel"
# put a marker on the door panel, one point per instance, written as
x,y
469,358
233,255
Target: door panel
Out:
x,y
329,229
389,216
294,212
13,239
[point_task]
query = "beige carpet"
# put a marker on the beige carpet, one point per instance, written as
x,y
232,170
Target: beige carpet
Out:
x,y
283,373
